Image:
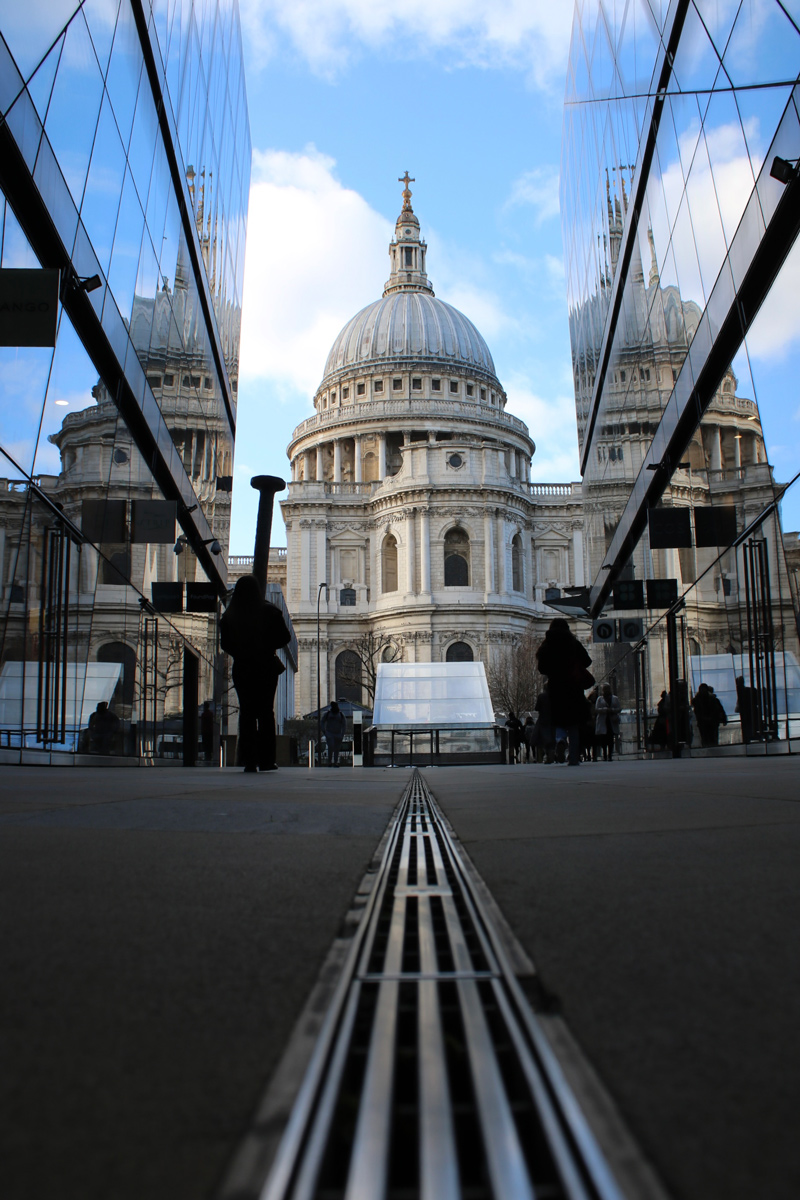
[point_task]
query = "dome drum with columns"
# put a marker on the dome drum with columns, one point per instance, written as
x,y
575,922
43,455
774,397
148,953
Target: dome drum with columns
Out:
x,y
410,490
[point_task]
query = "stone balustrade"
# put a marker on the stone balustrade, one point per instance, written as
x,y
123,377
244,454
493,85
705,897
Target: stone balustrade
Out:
x,y
418,409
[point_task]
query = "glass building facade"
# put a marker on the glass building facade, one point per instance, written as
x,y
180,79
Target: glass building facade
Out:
x,y
124,177
683,269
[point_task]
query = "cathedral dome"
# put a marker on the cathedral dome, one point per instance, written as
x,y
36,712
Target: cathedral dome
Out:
x,y
412,325
408,326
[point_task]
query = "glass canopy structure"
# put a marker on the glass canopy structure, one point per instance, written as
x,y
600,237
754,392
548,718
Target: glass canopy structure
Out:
x,y
436,695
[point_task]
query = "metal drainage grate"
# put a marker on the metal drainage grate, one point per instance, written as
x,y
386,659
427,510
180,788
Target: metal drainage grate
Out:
x,y
431,1077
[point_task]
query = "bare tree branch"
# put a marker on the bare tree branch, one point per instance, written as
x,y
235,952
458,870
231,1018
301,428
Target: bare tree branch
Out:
x,y
371,649
513,675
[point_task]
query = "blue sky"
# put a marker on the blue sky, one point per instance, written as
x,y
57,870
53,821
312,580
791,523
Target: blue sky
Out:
x,y
344,95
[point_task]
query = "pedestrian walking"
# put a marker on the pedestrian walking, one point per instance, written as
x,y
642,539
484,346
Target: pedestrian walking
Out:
x,y
103,728
251,630
528,736
334,727
514,727
660,734
544,738
607,721
709,714
565,662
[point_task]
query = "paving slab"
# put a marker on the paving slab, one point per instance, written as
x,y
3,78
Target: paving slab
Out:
x,y
160,932
660,903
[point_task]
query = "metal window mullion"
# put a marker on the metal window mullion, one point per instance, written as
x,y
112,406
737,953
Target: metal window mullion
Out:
x,y
506,1162
438,1160
369,1161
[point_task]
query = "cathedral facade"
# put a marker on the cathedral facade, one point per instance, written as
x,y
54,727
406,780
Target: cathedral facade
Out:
x,y
411,497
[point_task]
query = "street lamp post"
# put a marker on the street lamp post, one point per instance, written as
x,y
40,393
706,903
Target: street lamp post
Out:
x,y
319,700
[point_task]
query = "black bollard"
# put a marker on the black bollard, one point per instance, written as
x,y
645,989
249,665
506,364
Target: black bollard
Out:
x,y
266,486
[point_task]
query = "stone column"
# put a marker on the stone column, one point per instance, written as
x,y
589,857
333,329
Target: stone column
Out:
x,y
425,551
337,461
578,577
737,450
322,565
308,461
512,463
382,456
305,563
505,582
716,448
410,551
488,538
357,458
320,465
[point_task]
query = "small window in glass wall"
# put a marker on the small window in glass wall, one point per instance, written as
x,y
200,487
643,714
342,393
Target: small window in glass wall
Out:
x,y
516,564
169,380
389,563
456,558
459,652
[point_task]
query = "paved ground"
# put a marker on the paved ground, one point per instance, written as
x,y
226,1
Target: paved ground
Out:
x,y
159,933
160,930
661,904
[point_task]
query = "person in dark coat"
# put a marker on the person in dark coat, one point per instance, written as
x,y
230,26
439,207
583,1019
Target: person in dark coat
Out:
x,y
544,737
529,736
334,727
565,662
607,721
103,727
514,727
251,630
709,714
747,708
660,735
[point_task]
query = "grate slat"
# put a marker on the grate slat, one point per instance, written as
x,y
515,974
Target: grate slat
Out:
x,y
435,1082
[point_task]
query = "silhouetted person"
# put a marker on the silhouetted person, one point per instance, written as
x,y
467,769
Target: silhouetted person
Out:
x,y
660,735
514,727
207,730
251,630
334,727
565,662
103,726
607,721
709,714
544,737
747,708
529,734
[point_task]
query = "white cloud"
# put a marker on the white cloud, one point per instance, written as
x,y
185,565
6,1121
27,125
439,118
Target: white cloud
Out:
x,y
776,329
532,35
551,423
313,249
537,189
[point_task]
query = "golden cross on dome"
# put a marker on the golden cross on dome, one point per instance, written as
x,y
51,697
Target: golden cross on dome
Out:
x,y
406,179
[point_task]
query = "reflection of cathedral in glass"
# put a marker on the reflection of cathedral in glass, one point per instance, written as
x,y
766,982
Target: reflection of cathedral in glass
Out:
x,y
678,255
118,442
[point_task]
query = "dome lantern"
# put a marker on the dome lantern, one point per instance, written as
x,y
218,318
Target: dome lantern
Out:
x,y
407,250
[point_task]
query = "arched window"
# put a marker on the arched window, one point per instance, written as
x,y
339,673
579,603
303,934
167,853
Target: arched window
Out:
x,y
389,563
516,564
119,652
459,652
456,558
348,676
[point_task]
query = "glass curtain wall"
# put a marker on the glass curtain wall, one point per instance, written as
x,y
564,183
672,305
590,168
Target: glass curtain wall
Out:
x,y
125,165
683,269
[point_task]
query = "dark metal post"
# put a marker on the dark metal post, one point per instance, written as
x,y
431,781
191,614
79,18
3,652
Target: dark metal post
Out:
x,y
672,661
319,690
266,486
